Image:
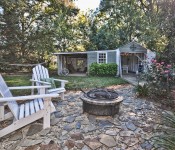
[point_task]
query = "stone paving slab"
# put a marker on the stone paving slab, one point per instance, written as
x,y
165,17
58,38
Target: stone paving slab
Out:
x,y
132,79
131,129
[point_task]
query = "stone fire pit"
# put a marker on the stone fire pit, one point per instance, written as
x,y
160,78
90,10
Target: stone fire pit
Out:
x,y
103,102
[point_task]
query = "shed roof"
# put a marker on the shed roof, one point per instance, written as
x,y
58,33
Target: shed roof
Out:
x,y
125,48
133,47
85,52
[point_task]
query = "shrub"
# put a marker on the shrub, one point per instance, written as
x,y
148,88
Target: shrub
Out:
x,y
159,78
103,69
142,90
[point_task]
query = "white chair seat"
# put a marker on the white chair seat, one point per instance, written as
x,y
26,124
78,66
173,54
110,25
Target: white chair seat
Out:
x,y
33,106
125,68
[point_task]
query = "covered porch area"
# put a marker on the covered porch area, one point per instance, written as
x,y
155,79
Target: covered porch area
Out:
x,y
131,59
132,62
75,62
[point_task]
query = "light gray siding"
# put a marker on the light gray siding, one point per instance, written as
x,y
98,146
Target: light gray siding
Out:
x,y
111,57
91,58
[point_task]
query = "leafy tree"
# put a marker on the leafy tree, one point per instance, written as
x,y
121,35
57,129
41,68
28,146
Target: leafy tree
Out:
x,y
82,32
121,21
30,29
166,26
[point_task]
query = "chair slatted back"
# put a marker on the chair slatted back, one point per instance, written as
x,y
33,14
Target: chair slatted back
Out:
x,y
5,92
40,72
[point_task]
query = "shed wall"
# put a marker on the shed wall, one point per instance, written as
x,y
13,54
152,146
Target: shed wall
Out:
x,y
91,58
111,57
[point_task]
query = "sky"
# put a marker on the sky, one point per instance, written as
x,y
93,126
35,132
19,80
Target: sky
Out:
x,y
84,5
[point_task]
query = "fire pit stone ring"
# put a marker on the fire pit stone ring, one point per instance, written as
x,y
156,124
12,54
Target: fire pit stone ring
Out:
x,y
103,102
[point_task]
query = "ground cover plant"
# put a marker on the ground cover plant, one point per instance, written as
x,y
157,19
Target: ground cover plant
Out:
x,y
142,90
167,139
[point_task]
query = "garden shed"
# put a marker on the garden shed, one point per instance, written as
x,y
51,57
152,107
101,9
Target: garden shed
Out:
x,y
127,57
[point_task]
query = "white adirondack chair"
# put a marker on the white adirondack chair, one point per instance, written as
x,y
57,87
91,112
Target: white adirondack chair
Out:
x,y
33,108
40,73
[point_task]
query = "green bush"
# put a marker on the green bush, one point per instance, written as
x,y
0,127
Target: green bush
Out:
x,y
103,69
142,90
160,79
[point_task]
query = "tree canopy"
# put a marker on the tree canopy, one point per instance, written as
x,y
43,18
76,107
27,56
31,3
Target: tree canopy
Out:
x,y
30,30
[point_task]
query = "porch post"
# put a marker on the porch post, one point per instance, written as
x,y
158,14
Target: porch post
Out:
x,y
118,62
59,65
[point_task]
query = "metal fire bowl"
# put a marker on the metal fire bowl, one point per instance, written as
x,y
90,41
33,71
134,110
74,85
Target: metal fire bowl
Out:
x,y
101,107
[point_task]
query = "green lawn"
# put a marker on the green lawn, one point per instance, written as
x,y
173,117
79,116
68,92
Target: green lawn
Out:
x,y
75,83
20,80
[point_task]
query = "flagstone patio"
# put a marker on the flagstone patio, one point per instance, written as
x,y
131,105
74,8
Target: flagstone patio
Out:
x,y
131,129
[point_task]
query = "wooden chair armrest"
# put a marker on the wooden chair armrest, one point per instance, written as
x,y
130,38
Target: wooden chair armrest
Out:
x,y
61,80
28,97
40,82
29,87
3,104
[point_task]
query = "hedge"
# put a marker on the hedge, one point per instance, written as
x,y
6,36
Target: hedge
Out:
x,y
109,69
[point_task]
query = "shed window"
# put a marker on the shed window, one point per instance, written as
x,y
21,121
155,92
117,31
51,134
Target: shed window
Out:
x,y
102,57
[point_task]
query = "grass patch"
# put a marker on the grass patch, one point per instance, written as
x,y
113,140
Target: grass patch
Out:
x,y
17,80
21,80
75,83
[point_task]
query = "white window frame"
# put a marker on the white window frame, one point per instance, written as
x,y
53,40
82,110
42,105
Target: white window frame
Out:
x,y
98,54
